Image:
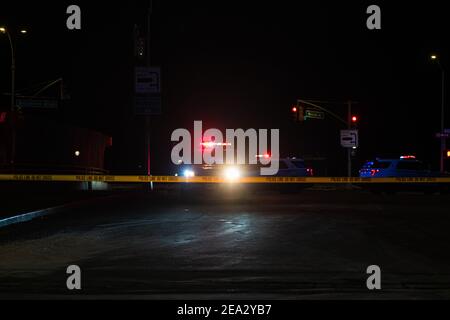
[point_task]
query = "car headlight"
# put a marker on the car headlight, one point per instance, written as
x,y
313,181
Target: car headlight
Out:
x,y
232,174
189,173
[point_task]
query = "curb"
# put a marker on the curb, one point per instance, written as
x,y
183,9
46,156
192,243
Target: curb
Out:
x,y
25,217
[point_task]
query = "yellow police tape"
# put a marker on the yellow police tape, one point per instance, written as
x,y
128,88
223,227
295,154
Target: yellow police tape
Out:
x,y
208,179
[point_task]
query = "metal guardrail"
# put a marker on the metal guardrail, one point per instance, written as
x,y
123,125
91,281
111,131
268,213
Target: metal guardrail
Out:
x,y
218,180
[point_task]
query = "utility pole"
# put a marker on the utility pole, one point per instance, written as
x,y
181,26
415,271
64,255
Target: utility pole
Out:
x,y
443,138
442,135
148,117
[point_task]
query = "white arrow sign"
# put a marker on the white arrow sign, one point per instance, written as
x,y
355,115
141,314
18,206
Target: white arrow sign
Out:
x,y
349,138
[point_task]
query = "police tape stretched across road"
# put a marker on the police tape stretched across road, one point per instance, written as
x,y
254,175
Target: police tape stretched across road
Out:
x,y
217,179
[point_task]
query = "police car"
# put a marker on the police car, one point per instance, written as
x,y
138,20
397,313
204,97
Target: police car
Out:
x,y
287,167
405,166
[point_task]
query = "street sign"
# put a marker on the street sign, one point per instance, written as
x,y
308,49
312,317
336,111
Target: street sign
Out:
x,y
147,105
32,103
442,135
313,114
148,80
349,138
147,98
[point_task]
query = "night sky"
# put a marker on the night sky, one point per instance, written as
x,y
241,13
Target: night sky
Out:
x,y
236,65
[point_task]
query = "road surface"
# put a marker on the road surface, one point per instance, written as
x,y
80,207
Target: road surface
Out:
x,y
224,244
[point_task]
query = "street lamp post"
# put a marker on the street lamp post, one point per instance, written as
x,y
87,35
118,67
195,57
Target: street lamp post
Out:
x,y
13,88
13,66
442,136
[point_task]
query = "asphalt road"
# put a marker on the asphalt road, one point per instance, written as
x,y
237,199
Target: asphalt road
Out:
x,y
225,244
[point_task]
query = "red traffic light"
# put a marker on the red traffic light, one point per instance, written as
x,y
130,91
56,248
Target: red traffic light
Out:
x,y
354,119
297,113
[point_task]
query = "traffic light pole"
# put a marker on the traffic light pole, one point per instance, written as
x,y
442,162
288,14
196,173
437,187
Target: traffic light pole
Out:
x,y
347,123
349,152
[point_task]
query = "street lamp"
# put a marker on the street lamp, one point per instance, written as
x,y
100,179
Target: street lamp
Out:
x,y
435,57
13,84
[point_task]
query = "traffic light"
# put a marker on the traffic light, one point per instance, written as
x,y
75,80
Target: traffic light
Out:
x,y
354,121
297,113
294,111
448,153
139,44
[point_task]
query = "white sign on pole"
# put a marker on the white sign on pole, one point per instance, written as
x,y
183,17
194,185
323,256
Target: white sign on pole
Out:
x,y
349,138
147,97
148,80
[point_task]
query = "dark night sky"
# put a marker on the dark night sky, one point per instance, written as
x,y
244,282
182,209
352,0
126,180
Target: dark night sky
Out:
x,y
234,65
